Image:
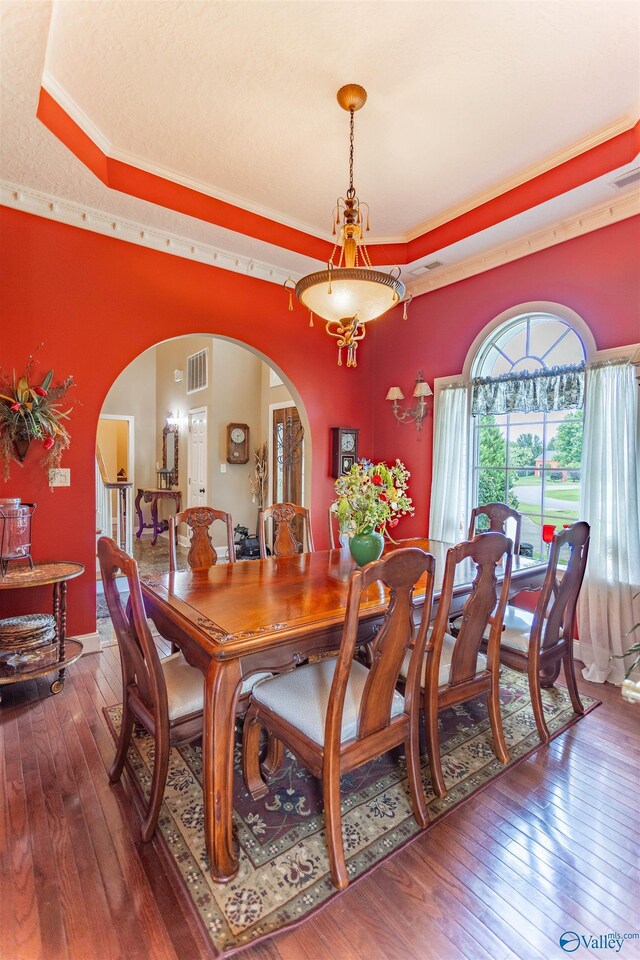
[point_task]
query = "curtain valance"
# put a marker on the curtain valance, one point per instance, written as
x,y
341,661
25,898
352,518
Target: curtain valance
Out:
x,y
557,388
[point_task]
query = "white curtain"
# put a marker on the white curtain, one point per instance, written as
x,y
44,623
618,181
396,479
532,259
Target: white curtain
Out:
x,y
450,470
610,502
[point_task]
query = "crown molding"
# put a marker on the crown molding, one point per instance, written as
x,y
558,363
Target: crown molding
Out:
x,y
88,218
596,217
524,176
77,114
97,221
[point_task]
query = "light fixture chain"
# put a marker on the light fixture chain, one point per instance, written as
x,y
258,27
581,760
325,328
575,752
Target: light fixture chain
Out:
x,y
351,192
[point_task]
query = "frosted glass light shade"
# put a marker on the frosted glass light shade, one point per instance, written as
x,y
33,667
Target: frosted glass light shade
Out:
x,y
395,393
354,291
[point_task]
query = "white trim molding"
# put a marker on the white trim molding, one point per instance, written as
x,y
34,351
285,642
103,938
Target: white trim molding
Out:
x,y
90,642
602,215
88,218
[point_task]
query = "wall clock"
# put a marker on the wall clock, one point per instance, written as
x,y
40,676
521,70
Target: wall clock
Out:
x,y
344,449
237,443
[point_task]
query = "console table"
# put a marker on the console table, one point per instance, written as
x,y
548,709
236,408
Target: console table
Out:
x,y
56,572
152,496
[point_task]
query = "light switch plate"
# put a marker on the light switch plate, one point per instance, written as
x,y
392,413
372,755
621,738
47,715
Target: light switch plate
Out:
x,y
60,477
223,468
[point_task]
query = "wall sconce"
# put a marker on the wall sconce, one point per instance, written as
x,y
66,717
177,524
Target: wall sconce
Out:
x,y
416,413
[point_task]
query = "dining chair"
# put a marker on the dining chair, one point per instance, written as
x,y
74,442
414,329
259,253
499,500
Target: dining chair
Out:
x,y
454,670
202,553
498,515
334,529
165,696
285,542
336,714
539,643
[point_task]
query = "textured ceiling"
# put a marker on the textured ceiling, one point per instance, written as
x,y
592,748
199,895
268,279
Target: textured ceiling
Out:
x,y
240,97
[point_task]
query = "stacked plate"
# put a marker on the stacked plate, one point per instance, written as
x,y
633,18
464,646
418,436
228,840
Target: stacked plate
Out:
x,y
27,642
30,630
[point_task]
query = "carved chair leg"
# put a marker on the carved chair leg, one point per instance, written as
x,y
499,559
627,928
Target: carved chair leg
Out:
x,y
333,820
158,782
274,757
412,754
126,729
433,748
536,699
251,756
495,718
549,675
572,685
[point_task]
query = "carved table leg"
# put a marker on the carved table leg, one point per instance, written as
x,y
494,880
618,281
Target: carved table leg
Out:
x,y
154,517
222,686
139,512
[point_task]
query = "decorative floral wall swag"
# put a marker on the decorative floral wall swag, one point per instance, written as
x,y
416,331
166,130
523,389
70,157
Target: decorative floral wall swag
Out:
x,y
32,412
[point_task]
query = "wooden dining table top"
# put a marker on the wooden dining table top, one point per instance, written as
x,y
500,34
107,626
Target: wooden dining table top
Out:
x,y
238,608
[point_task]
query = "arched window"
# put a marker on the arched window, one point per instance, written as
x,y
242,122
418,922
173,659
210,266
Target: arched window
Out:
x,y
530,460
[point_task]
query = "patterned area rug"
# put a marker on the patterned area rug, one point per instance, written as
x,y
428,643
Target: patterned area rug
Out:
x,y
284,869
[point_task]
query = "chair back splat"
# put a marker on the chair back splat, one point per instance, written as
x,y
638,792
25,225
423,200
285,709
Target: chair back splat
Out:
x,y
399,572
141,671
285,542
498,514
202,553
556,609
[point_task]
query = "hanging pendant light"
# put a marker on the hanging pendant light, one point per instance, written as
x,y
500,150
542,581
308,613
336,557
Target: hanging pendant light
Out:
x,y
350,292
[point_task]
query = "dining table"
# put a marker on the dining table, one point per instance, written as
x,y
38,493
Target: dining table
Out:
x,y
235,620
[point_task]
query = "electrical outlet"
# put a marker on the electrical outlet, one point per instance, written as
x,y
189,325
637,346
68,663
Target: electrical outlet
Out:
x,y
223,468
60,477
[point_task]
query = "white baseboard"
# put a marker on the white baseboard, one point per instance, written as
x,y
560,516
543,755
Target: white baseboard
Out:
x,y
90,642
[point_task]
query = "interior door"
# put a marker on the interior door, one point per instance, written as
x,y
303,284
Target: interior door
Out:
x,y
197,458
287,449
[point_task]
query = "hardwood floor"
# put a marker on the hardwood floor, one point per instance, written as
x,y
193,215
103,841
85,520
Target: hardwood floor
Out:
x,y
551,846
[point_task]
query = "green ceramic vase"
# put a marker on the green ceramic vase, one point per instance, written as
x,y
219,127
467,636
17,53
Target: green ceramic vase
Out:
x,y
366,547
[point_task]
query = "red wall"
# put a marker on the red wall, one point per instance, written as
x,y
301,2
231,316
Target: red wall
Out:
x,y
98,302
596,275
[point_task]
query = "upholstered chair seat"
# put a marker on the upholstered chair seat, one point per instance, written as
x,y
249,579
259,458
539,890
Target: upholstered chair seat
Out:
x,y
185,687
301,698
516,630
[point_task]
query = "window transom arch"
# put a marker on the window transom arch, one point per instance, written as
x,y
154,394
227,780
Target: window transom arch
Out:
x,y
530,342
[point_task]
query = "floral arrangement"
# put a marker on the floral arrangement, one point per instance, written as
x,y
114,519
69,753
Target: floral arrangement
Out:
x,y
372,496
32,413
258,481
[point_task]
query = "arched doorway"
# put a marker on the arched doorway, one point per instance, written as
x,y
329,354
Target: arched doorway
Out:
x,y
224,389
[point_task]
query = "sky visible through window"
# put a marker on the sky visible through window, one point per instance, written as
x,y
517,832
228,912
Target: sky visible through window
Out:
x,y
530,460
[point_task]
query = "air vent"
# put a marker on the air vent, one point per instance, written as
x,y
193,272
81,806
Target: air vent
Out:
x,y
426,267
632,176
197,371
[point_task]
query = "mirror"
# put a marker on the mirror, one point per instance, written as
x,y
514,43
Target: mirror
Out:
x,y
170,455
